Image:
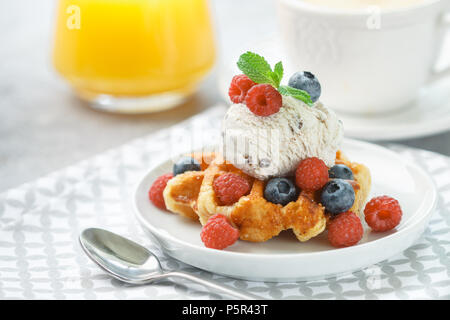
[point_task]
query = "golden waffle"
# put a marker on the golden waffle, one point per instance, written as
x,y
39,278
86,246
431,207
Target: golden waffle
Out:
x,y
191,194
181,192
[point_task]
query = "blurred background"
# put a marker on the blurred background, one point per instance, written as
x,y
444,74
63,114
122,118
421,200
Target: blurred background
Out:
x,y
45,127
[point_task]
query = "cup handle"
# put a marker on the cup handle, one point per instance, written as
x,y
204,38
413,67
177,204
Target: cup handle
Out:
x,y
439,74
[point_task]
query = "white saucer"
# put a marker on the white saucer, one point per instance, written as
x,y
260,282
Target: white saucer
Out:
x,y
284,258
429,114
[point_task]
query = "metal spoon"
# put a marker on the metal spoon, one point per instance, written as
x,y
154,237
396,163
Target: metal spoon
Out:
x,y
130,262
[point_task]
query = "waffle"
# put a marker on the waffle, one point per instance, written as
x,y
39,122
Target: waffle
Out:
x,y
191,195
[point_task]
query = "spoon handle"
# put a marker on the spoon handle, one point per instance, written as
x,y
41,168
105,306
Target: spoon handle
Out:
x,y
215,286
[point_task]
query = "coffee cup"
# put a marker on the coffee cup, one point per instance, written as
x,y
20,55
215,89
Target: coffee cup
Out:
x,y
368,60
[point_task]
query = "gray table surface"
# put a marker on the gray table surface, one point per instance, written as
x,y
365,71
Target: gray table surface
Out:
x,y
43,127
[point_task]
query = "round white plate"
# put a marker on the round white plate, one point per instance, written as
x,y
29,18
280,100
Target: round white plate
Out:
x,y
428,115
284,258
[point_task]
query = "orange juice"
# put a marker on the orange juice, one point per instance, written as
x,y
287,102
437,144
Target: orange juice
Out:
x,y
133,48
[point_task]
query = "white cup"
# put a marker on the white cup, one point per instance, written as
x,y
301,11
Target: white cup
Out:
x,y
367,61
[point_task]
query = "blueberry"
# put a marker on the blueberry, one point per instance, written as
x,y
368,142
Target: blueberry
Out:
x,y
186,164
340,171
337,196
280,191
308,82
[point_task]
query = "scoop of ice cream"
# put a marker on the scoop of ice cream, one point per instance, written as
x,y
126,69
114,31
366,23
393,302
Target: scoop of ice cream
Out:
x,y
265,147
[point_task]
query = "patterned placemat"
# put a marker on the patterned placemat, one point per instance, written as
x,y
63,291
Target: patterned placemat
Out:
x,y
40,257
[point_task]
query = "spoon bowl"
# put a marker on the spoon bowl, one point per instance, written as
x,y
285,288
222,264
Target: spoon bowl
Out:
x,y
124,259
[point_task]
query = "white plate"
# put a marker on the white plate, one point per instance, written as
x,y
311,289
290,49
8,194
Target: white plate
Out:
x,y
284,258
429,114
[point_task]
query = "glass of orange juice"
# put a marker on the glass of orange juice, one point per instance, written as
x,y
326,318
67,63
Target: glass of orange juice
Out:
x,y
133,56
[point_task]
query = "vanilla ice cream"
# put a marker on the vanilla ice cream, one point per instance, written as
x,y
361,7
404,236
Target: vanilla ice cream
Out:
x,y
265,147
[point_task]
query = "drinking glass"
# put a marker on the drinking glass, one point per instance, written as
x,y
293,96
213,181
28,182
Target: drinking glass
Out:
x,y
133,56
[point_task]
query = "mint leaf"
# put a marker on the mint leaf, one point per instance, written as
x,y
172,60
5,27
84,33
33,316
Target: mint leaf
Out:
x,y
257,68
278,73
297,94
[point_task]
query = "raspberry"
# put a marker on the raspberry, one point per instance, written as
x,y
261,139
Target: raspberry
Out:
x,y
311,174
263,100
218,233
229,187
239,87
345,230
155,193
383,213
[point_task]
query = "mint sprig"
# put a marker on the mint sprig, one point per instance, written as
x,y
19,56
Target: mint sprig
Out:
x,y
258,70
